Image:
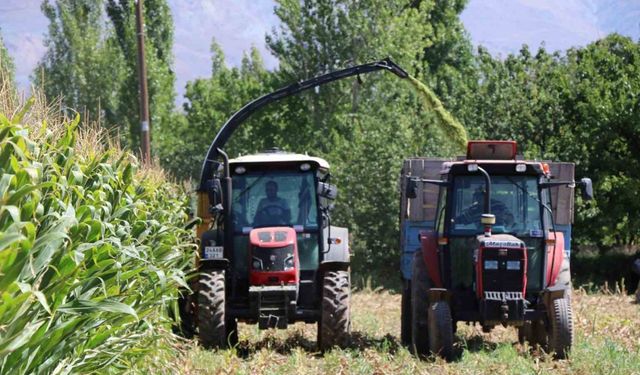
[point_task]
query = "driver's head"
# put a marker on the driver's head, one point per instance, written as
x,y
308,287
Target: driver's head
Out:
x,y
271,188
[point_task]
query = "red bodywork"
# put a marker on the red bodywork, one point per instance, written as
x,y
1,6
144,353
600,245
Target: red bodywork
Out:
x,y
429,244
266,242
555,256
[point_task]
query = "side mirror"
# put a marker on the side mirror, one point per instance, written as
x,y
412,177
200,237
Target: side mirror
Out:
x,y
327,190
587,188
215,192
411,190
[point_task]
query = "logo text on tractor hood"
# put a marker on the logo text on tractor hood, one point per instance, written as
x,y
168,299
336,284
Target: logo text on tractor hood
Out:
x,y
509,244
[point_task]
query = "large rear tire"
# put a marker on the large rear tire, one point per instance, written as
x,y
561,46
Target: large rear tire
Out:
x,y
405,315
561,328
334,327
441,330
215,329
564,277
419,306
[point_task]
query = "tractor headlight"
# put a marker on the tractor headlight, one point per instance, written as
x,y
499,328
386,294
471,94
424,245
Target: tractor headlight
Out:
x,y
288,263
490,264
513,265
256,264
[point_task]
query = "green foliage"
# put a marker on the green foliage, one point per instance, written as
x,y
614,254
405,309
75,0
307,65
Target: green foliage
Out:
x,y
579,107
91,254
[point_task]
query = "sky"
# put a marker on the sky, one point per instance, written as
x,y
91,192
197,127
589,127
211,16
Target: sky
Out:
x,y
502,26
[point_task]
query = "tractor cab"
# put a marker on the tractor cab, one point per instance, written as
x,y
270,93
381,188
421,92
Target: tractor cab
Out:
x,y
492,252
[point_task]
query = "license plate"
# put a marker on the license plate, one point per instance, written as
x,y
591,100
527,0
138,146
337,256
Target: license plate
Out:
x,y
213,252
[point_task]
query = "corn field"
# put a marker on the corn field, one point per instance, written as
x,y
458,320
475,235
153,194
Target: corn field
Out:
x,y
92,248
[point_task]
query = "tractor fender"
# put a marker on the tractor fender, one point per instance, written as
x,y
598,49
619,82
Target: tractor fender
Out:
x,y
555,256
429,245
335,245
334,266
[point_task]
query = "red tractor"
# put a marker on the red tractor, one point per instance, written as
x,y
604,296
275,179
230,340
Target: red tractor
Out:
x,y
491,251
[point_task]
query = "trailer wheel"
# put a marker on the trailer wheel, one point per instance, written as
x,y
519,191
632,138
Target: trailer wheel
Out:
x,y
419,306
334,327
215,330
561,328
405,315
441,330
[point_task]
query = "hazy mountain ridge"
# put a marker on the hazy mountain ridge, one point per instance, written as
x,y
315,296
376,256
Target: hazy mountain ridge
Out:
x,y
502,26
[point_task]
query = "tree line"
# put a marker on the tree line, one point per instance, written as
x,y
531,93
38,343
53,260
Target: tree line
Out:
x,y
579,105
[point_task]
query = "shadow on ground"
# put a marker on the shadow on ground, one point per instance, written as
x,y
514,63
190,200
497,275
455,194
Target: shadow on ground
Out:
x,y
359,341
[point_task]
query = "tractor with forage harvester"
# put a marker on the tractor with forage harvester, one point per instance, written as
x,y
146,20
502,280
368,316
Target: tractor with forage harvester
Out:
x,y
268,252
485,239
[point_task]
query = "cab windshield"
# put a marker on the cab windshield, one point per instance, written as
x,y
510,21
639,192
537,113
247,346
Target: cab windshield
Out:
x,y
515,202
274,198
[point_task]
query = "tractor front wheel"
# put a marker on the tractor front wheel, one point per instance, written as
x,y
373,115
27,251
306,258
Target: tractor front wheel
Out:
x,y
334,327
534,332
441,330
561,328
215,329
419,306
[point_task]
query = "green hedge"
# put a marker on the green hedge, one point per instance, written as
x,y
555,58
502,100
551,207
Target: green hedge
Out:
x,y
91,253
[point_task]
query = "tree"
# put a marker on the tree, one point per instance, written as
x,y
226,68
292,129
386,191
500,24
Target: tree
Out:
x,y
210,101
159,58
77,58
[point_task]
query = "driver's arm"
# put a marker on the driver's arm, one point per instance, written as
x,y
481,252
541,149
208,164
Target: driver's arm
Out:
x,y
287,211
259,210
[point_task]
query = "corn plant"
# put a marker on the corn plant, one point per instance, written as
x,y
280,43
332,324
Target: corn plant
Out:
x,y
91,254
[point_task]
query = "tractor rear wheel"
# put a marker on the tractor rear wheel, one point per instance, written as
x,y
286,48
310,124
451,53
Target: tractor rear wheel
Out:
x,y
405,315
561,328
334,327
419,306
215,329
564,277
441,330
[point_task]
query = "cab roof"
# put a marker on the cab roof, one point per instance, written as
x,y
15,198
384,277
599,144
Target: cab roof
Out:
x,y
279,157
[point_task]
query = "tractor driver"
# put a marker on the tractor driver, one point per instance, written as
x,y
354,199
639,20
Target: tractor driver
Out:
x,y
472,214
272,210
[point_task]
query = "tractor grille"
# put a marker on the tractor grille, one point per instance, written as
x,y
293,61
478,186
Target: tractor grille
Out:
x,y
503,270
268,259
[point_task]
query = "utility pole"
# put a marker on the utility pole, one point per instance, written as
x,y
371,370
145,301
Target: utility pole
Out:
x,y
145,143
